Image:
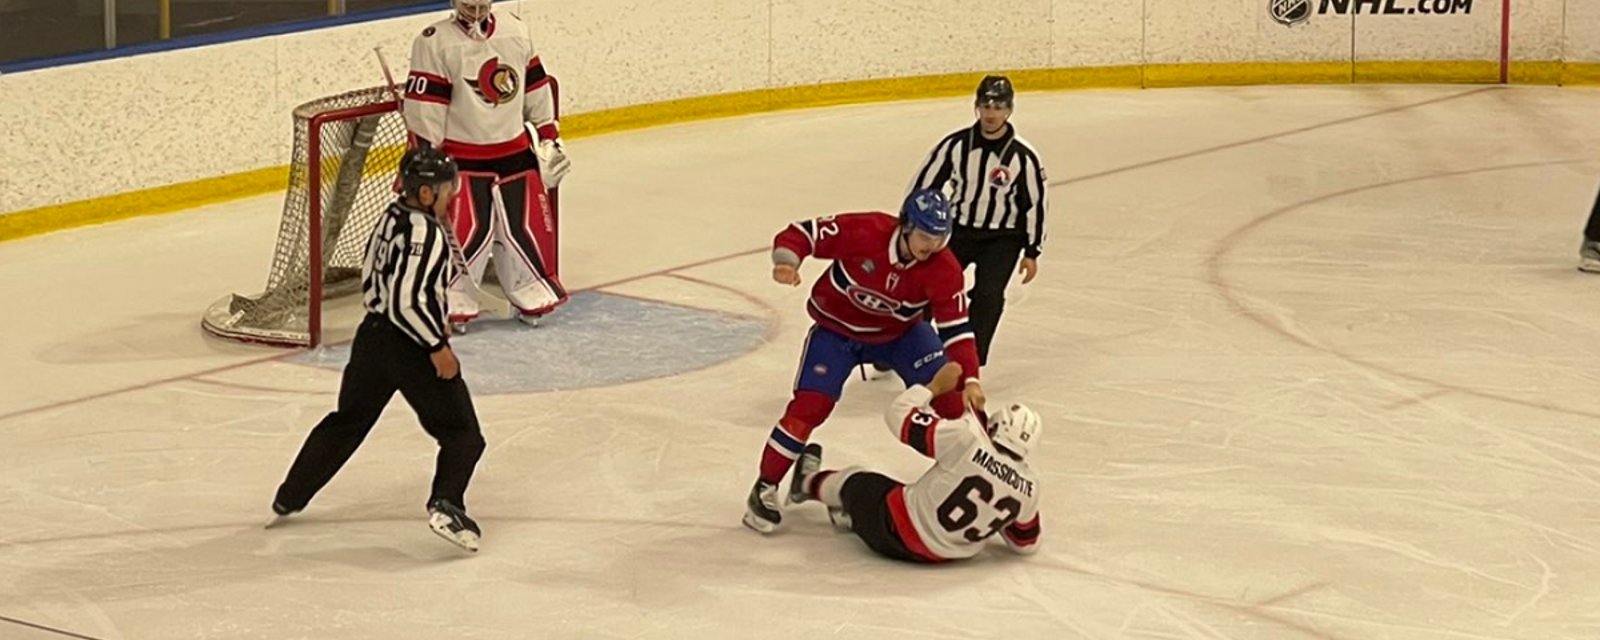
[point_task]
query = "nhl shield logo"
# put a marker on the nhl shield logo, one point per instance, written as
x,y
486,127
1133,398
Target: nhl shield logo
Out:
x,y
1289,12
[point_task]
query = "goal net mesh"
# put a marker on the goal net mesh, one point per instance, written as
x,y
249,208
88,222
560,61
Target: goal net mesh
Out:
x,y
341,177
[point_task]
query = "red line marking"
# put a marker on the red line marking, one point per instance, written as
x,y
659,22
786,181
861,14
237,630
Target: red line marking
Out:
x,y
278,356
137,387
1216,264
1505,41
771,313
250,387
662,272
1268,137
40,627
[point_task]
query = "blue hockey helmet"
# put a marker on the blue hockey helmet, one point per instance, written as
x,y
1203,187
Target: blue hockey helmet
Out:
x,y
927,210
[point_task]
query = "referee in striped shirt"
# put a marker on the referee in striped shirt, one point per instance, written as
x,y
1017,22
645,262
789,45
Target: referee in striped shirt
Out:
x,y
999,193
403,345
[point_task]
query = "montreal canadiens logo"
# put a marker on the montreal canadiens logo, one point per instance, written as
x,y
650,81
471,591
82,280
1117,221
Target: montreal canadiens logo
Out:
x,y
496,83
1000,177
871,301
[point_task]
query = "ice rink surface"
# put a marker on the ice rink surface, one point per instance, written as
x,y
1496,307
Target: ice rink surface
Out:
x,y
1313,363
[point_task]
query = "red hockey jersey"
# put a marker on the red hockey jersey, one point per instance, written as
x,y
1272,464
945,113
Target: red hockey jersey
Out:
x,y
867,295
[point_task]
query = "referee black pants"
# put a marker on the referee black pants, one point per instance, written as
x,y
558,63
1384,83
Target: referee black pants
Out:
x,y
383,360
996,253
1591,231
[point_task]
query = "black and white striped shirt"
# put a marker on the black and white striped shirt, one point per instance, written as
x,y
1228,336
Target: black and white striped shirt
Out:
x,y
407,272
993,184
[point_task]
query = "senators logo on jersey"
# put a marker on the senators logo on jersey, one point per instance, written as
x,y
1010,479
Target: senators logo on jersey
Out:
x,y
496,83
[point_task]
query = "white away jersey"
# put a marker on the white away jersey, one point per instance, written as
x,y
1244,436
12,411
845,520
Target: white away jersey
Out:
x,y
972,492
471,97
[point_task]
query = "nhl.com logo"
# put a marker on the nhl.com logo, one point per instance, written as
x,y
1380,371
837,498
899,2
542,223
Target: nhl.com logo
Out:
x,y
1289,12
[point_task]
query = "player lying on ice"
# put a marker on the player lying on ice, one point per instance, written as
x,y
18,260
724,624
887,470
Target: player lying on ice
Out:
x,y
980,483
869,307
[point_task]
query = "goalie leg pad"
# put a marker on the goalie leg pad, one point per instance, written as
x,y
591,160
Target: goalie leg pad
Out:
x,y
472,216
472,222
524,241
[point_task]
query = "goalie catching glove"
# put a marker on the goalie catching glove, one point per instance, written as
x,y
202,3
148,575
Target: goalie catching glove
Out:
x,y
553,162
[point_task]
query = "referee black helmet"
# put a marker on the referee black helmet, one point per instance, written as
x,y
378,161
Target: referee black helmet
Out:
x,y
996,89
425,166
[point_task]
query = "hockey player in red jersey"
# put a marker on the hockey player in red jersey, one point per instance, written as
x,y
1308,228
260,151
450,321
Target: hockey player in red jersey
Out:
x,y
887,275
979,485
478,90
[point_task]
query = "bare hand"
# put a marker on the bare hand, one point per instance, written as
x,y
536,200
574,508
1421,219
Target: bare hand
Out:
x,y
445,363
946,379
786,274
974,396
1029,269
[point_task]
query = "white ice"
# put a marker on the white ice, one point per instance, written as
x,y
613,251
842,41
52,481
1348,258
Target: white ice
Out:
x,y
1314,363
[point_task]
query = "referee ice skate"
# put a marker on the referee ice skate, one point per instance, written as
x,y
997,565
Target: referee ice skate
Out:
x,y
1589,251
999,192
403,345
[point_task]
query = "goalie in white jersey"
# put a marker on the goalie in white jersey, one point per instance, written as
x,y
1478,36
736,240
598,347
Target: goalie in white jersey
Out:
x,y
980,483
478,91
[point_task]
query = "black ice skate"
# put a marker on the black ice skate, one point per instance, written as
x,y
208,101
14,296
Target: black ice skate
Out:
x,y
761,512
1589,256
280,514
452,523
809,463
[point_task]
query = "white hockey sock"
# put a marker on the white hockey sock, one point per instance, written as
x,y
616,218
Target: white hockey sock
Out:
x,y
827,485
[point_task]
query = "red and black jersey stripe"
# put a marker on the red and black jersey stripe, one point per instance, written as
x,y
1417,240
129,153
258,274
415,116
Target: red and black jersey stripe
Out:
x,y
905,529
1023,534
917,430
426,87
536,74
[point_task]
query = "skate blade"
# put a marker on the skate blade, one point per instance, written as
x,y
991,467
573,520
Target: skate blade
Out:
x,y
1589,266
759,525
840,519
466,539
276,521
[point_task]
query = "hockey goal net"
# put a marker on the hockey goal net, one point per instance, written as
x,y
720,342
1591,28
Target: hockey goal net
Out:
x,y
341,179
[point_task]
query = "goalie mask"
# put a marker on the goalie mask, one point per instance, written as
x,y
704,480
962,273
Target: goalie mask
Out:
x,y
474,16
